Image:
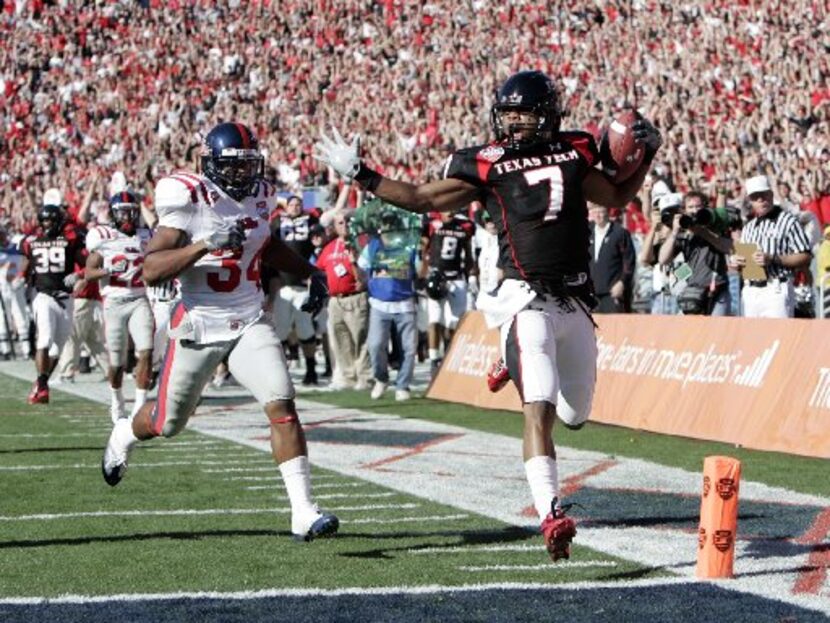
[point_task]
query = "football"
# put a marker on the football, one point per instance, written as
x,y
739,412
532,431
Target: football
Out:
x,y
619,153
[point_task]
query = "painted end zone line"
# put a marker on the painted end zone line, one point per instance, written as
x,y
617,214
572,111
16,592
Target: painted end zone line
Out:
x,y
359,591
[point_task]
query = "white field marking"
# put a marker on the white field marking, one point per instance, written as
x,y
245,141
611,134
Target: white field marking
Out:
x,y
181,445
197,511
333,496
462,487
476,549
46,435
314,479
398,520
209,455
342,592
228,470
548,567
23,468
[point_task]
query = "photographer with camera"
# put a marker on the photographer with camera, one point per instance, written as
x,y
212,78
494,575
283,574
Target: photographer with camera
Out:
x,y
699,233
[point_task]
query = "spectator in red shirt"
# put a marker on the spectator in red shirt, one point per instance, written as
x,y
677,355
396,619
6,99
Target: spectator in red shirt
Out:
x,y
348,325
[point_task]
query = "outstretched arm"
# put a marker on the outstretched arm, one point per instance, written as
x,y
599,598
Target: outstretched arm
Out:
x,y
440,196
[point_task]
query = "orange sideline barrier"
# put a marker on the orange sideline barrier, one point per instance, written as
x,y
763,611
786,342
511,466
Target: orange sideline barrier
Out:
x,y
718,517
763,384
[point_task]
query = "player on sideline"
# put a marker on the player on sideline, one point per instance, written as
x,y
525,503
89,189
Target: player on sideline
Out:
x,y
116,255
212,235
53,261
534,181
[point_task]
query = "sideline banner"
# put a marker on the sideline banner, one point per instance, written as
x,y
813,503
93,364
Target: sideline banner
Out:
x,y
760,383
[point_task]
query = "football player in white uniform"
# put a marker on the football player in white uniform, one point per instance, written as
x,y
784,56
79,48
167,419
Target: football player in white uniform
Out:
x,y
116,255
212,235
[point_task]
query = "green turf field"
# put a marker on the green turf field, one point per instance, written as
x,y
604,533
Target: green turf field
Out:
x,y
199,530
175,524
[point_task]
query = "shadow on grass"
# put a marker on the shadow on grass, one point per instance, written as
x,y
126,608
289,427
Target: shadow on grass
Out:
x,y
472,537
509,534
45,450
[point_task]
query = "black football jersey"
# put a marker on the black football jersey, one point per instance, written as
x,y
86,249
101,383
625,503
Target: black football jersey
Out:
x,y
52,259
534,195
295,232
447,243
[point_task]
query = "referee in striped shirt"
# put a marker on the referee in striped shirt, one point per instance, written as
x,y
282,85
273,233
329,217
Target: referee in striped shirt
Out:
x,y
783,247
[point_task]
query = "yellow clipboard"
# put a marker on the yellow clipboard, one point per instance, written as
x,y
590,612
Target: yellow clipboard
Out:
x,y
752,271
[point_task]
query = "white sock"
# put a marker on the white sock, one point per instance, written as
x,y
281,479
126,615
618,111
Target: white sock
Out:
x,y
296,475
543,478
433,354
140,399
117,398
124,434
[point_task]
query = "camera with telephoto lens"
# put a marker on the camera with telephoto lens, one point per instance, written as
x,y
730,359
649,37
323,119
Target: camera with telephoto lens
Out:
x,y
703,217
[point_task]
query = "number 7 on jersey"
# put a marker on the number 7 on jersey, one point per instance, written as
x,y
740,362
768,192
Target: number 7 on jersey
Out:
x,y
552,175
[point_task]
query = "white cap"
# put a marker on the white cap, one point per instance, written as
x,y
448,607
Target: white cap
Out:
x,y
659,189
757,184
118,183
53,197
671,200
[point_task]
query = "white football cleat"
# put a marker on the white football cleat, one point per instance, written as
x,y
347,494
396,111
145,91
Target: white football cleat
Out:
x,y
314,526
114,463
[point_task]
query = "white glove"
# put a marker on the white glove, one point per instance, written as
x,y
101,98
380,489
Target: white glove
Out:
x,y
339,155
18,282
226,237
70,280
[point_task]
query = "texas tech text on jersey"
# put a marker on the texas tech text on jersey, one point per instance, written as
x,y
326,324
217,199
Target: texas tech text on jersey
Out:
x,y
534,195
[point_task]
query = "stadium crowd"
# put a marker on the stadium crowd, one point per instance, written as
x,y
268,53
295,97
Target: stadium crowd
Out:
x,y
90,89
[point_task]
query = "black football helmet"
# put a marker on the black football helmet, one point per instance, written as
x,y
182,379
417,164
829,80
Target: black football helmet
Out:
x,y
232,160
125,212
527,91
50,218
436,285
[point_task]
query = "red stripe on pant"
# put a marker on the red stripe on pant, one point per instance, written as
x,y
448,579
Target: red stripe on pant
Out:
x,y
159,415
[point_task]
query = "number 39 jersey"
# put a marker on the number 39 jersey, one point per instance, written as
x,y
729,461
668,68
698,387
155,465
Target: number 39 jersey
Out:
x,y
52,259
118,249
534,196
221,291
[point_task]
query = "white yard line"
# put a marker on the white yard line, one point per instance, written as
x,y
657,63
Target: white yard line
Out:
x,y
200,511
416,519
546,567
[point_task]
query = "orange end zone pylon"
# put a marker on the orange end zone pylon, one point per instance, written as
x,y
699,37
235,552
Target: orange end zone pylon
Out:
x,y
718,517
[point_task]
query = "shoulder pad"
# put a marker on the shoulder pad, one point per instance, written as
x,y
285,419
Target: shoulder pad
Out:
x,y
173,195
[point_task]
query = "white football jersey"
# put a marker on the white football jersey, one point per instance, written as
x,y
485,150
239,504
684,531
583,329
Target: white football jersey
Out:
x,y
115,247
221,292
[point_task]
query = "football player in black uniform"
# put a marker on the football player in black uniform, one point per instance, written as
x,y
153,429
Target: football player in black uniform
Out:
x,y
447,244
53,262
294,226
534,181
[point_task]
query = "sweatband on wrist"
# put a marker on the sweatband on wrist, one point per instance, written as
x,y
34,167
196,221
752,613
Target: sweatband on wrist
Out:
x,y
368,178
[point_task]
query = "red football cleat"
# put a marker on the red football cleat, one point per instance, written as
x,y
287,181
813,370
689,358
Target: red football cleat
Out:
x,y
558,531
497,375
38,395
